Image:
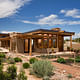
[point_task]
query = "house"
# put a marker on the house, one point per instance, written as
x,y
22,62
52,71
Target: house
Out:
x,y
35,41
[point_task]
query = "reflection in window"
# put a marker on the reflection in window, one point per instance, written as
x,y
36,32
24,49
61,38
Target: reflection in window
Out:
x,y
54,43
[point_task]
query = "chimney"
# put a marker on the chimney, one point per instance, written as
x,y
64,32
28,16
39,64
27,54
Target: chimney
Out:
x,y
56,29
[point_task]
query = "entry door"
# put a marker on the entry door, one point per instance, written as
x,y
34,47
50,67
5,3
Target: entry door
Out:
x,y
26,42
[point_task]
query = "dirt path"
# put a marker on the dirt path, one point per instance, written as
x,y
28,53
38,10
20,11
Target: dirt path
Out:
x,y
69,69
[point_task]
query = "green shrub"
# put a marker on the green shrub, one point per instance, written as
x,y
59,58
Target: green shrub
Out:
x,y
77,59
46,78
26,65
68,48
72,49
69,75
11,61
17,59
70,60
32,60
0,62
2,55
22,76
42,68
61,60
12,72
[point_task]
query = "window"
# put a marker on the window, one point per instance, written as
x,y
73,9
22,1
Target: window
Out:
x,y
39,43
54,43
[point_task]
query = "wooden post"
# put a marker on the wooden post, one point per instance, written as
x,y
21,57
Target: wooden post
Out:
x,y
30,51
70,41
10,44
57,42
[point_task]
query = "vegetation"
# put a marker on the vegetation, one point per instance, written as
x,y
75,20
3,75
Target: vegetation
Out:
x,y
61,60
22,76
17,59
42,68
68,48
69,75
47,56
32,60
11,61
77,40
12,71
46,78
26,65
2,55
77,59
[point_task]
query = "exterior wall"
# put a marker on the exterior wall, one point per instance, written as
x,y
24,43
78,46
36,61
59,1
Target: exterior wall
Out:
x,y
20,45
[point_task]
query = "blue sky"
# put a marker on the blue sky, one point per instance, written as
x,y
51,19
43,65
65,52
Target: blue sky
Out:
x,y
26,15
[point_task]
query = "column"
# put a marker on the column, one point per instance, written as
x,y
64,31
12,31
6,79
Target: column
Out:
x,y
30,51
10,44
71,41
57,43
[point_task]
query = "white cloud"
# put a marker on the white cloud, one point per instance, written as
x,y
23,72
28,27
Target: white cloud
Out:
x,y
75,13
7,32
77,35
40,16
10,7
52,20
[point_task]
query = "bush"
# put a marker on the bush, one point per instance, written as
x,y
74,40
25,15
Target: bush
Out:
x,y
17,59
26,65
70,60
69,75
46,78
72,49
61,60
2,55
42,68
68,48
22,76
11,61
77,59
12,72
32,60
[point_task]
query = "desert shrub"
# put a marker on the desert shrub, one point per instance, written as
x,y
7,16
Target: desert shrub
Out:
x,y
11,61
26,65
12,72
61,60
70,60
0,62
22,76
2,55
17,59
68,48
47,56
69,75
42,68
72,49
32,60
1,73
77,59
46,78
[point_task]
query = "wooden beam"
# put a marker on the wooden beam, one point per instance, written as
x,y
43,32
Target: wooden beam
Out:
x,y
70,41
57,41
30,51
